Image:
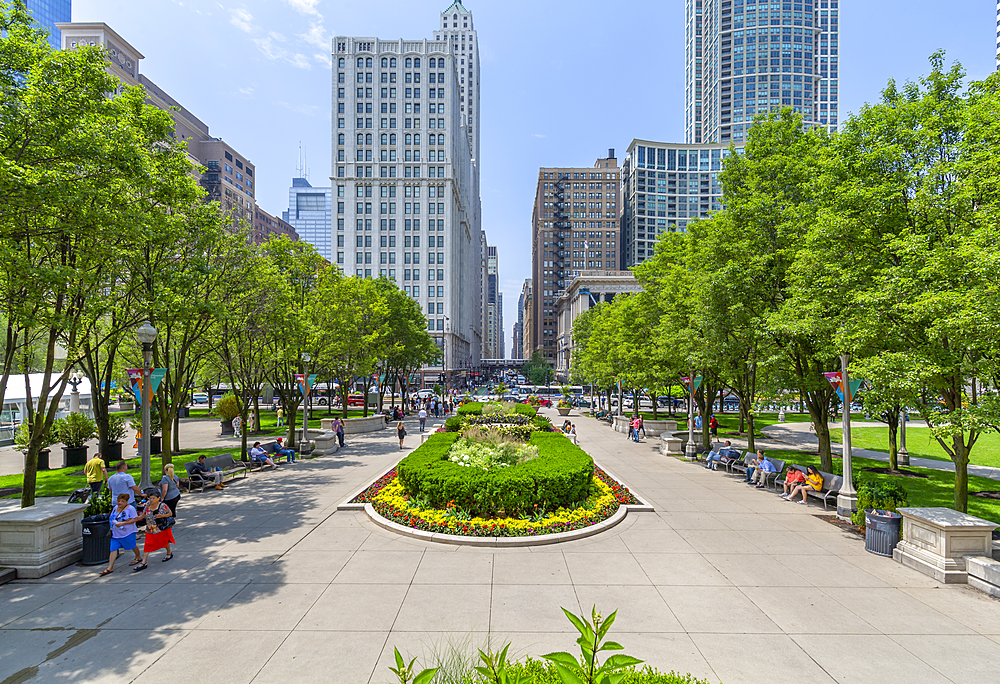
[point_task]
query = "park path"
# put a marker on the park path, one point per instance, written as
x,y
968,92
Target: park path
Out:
x,y
272,584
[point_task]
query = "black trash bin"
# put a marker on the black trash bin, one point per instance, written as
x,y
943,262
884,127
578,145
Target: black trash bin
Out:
x,y
96,539
882,531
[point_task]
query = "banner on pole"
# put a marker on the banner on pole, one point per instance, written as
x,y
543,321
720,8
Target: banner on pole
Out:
x,y
306,383
135,383
687,383
155,378
837,380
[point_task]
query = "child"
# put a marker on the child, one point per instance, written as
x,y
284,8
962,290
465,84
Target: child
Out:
x,y
123,530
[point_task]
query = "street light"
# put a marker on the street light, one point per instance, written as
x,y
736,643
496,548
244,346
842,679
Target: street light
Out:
x,y
304,448
690,450
147,335
902,456
75,378
847,499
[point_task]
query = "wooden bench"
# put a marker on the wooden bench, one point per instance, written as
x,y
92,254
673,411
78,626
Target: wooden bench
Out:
x,y
229,467
828,490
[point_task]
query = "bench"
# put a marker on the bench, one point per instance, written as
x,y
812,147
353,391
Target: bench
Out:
x,y
828,490
779,467
740,464
271,449
229,466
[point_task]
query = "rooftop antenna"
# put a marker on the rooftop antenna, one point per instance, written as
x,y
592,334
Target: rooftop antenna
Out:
x,y
298,166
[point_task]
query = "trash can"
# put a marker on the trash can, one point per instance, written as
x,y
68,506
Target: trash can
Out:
x,y
96,539
882,531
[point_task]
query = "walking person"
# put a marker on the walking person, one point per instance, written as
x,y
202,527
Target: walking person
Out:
x,y
123,532
642,426
97,474
401,433
123,483
338,427
713,426
281,416
423,418
156,538
170,488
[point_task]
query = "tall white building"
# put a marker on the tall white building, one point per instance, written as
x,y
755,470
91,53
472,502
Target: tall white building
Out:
x,y
745,57
404,182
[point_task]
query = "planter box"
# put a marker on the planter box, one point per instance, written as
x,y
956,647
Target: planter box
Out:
x,y
41,539
112,453
564,411
984,575
937,541
655,428
126,406
670,445
43,459
74,456
155,444
227,427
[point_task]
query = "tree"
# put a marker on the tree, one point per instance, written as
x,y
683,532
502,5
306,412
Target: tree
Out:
x,y
408,346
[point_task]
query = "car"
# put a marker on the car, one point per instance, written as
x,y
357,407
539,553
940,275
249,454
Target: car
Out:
x,y
425,394
199,398
356,400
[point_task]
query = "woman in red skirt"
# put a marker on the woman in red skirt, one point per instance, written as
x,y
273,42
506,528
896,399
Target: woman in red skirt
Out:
x,y
156,538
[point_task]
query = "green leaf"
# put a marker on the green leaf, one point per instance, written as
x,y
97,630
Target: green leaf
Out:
x,y
581,626
619,661
562,658
568,676
400,663
611,646
426,676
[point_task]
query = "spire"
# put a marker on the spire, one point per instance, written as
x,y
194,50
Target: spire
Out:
x,y
456,7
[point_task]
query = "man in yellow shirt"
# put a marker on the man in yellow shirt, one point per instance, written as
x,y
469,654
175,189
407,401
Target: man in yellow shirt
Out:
x,y
97,474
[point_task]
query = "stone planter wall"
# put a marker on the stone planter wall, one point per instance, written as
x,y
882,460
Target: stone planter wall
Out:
x,y
655,428
354,426
937,542
41,539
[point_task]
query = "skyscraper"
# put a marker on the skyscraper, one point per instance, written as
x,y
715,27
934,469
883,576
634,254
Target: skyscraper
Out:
x,y
309,212
574,227
47,13
405,181
744,57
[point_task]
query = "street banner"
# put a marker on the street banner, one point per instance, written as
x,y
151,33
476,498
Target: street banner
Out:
x,y
135,383
155,378
837,381
687,383
305,383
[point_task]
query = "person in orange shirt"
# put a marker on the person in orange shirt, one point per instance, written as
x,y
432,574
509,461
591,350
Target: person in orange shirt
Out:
x,y
813,480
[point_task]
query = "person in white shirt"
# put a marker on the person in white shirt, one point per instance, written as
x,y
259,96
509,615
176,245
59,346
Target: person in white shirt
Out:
x,y
423,418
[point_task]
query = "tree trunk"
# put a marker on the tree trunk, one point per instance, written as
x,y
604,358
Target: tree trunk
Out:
x,y
751,443
177,432
893,422
961,460
166,432
823,434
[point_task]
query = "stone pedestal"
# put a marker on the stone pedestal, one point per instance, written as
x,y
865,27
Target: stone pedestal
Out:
x,y
938,541
325,444
655,428
354,426
41,539
671,446
984,575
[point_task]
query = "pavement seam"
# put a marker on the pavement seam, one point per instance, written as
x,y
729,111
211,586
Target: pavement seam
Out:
x,y
385,642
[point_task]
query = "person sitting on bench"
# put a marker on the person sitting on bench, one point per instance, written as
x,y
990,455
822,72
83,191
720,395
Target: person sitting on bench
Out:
x,y
717,456
260,456
200,468
281,450
813,481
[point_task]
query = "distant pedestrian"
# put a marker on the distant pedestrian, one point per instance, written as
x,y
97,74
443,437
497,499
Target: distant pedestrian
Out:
x,y
642,426
96,473
713,426
237,427
123,532
338,427
400,432
423,418
281,416
170,490
697,422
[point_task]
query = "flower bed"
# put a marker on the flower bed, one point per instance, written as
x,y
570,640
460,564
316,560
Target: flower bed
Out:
x,y
391,502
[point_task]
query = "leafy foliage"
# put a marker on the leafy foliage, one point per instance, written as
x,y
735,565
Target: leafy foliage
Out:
x,y
588,669
879,495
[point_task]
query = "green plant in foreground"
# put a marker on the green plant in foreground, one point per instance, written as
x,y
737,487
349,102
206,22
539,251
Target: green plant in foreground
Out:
x,y
405,674
588,670
75,430
496,668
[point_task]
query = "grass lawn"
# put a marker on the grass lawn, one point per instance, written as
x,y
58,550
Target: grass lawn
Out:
x,y
730,422
920,444
938,489
62,481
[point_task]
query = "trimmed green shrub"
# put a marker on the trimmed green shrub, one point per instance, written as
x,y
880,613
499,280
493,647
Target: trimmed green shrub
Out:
x,y
881,495
473,408
75,430
560,476
453,424
525,410
228,407
542,422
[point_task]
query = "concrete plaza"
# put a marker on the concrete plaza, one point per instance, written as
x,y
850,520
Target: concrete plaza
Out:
x,y
271,584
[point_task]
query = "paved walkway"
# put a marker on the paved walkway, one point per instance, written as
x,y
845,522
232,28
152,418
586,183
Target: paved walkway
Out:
x,y
270,584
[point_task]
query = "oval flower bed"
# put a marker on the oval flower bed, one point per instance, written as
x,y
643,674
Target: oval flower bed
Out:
x,y
390,501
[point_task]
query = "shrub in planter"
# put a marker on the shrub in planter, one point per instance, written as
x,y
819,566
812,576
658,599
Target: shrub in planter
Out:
x,y
525,410
228,407
75,430
154,421
22,435
881,495
473,408
560,476
542,422
99,504
117,426
453,424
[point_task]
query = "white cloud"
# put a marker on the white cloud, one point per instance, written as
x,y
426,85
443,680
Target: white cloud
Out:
x,y
305,110
537,135
324,58
304,6
275,52
277,36
317,35
242,20
300,61
246,90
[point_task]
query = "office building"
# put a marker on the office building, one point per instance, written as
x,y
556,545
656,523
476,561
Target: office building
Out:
x,y
229,177
310,213
459,33
745,57
663,187
586,290
517,339
48,13
266,226
494,306
526,309
407,201
574,227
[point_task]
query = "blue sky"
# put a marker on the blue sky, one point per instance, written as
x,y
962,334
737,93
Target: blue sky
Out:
x,y
562,81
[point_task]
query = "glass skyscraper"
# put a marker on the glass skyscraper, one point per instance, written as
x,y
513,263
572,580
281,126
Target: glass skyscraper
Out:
x,y
745,57
49,12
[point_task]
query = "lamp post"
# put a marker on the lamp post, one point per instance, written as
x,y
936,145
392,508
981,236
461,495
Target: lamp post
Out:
x,y
902,456
147,335
690,450
74,398
304,447
847,499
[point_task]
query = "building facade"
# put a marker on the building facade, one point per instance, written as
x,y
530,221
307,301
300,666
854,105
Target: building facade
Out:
x,y
458,32
48,13
266,226
407,205
526,312
586,290
494,306
746,57
310,214
663,187
574,227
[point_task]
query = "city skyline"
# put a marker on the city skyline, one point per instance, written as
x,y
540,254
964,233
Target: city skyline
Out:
x,y
271,60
